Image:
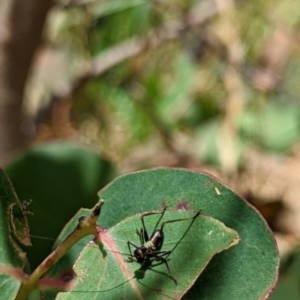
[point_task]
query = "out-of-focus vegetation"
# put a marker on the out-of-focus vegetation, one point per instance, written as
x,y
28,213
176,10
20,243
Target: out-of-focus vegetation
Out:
x,y
209,80
206,85
200,84
56,175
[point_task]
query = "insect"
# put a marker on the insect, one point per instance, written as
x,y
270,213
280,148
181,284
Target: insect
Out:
x,y
150,249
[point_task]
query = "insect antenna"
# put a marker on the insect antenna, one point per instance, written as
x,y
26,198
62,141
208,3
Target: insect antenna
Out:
x,y
144,231
186,231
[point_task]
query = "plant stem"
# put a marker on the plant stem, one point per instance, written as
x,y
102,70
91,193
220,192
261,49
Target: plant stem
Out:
x,y
86,226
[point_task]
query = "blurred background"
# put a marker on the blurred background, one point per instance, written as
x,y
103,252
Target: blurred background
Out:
x,y
91,89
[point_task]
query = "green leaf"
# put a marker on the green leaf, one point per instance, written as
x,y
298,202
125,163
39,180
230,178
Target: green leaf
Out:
x,y
60,178
207,138
13,227
288,284
172,104
117,23
110,277
247,271
101,9
262,127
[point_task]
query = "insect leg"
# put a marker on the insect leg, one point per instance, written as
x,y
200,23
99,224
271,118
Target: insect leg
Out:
x,y
159,256
141,235
178,220
130,259
183,219
148,214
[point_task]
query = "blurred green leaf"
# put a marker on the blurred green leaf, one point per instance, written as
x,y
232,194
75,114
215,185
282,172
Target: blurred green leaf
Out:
x,y
13,225
60,178
288,285
275,126
177,96
117,24
209,143
106,8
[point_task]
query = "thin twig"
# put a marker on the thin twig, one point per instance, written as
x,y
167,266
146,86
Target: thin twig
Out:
x,y
85,227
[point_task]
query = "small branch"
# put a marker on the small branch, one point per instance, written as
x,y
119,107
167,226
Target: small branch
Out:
x,y
85,227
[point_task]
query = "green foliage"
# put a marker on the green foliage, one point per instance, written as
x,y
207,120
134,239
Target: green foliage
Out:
x,y
13,227
92,28
288,284
254,257
274,126
56,175
178,94
176,87
110,277
117,22
179,85
247,271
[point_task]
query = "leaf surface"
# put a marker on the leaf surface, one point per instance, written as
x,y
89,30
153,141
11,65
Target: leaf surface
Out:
x,y
111,277
247,271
